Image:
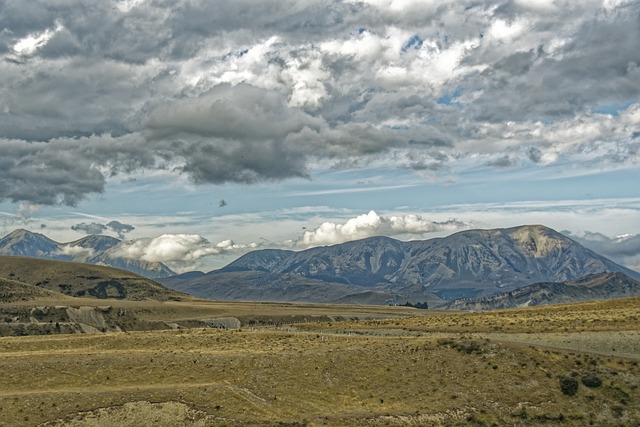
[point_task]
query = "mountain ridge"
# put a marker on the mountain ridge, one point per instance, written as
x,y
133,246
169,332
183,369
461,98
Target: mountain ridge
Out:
x,y
472,263
92,249
600,286
81,280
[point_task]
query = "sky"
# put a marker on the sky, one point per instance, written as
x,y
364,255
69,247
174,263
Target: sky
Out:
x,y
196,130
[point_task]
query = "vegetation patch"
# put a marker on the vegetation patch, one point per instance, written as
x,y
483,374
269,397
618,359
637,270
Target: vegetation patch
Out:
x,y
569,386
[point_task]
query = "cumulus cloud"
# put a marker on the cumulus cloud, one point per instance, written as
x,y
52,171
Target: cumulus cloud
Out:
x,y
372,224
167,248
248,92
77,252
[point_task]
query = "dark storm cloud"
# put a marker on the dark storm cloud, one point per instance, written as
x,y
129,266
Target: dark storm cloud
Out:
x,y
259,91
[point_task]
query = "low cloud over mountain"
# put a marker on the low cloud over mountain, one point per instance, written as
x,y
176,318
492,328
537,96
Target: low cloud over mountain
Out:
x,y
622,249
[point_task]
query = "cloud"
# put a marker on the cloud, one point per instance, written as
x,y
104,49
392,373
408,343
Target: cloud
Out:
x,y
251,92
120,228
167,248
77,252
89,228
624,249
231,246
372,224
233,134
501,162
97,228
21,216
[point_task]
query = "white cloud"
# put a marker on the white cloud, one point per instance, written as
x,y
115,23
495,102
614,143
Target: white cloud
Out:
x,y
167,248
503,31
77,252
229,246
29,45
372,224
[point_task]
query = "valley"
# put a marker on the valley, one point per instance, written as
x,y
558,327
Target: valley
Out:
x,y
91,345
572,364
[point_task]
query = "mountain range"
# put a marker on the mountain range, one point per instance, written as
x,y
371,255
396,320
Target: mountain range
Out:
x,y
381,270
600,286
470,265
93,249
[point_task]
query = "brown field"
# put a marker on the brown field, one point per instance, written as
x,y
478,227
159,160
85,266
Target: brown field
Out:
x,y
391,366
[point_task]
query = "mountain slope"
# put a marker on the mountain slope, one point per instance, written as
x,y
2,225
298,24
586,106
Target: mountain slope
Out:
x,y
600,286
262,286
261,260
13,290
94,249
484,262
25,243
472,263
83,280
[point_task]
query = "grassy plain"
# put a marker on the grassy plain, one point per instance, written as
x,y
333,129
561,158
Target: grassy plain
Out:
x,y
391,366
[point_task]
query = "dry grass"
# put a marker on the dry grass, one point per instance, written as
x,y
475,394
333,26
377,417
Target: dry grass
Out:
x,y
77,279
439,369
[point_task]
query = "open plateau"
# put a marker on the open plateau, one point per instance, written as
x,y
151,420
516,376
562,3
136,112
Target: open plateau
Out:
x,y
523,327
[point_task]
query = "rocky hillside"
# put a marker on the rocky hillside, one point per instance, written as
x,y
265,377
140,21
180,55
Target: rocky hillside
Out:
x,y
474,263
83,280
100,250
600,286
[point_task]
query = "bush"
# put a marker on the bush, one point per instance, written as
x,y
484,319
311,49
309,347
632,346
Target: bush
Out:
x,y
591,380
569,386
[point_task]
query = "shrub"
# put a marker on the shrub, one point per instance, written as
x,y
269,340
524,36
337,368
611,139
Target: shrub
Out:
x,y
591,380
568,386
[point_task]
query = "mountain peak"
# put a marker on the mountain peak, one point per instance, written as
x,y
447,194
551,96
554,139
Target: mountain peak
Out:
x,y
22,242
538,240
21,233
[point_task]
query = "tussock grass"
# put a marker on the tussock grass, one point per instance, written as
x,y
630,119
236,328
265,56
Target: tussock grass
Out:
x,y
438,369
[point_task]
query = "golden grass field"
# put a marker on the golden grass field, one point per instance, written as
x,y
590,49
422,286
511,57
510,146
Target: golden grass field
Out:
x,y
394,366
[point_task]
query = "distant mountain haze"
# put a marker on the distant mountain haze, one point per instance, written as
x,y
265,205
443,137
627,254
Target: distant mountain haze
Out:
x,y
381,270
93,249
